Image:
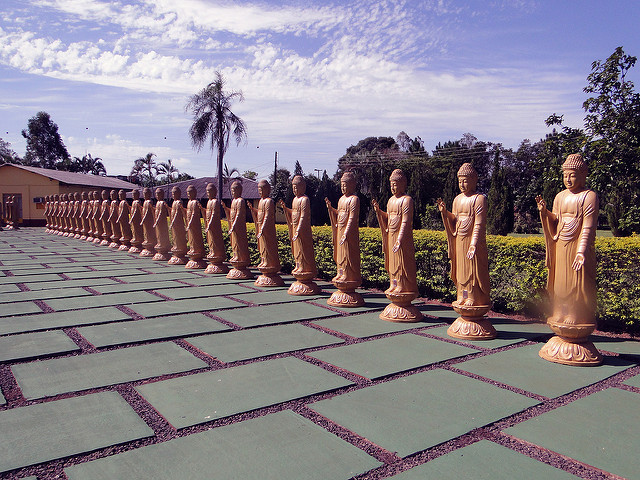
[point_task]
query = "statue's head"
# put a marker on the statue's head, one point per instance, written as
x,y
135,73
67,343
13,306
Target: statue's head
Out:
x,y
85,196
264,188
96,195
114,195
574,172
76,196
135,194
212,191
122,195
398,182
348,183
159,194
192,192
146,193
176,193
236,189
105,195
467,178
56,197
299,185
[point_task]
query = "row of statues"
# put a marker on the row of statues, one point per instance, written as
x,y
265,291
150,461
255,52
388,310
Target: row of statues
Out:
x,y
9,213
569,231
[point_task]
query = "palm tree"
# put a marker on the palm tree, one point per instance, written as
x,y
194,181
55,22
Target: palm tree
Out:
x,y
92,165
168,168
146,169
212,117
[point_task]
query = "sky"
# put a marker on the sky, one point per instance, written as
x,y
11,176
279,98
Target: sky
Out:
x,y
316,76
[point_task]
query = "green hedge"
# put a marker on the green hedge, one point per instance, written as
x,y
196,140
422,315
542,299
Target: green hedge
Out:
x,y
516,268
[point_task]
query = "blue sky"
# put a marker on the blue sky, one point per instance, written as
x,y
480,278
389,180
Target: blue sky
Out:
x,y
317,76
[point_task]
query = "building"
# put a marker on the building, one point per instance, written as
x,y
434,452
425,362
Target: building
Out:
x,y
249,188
31,185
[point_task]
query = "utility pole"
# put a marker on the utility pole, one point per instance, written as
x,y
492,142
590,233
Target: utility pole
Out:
x,y
318,170
275,170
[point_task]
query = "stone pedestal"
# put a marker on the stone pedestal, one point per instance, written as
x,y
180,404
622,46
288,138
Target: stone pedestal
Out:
x,y
304,284
269,277
472,323
400,309
161,256
216,265
177,258
239,270
571,345
346,296
196,261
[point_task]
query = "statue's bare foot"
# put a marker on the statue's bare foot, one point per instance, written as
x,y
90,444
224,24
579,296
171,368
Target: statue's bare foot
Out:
x,y
468,302
570,320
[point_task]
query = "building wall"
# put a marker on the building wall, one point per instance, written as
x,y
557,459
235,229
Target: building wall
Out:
x,y
30,186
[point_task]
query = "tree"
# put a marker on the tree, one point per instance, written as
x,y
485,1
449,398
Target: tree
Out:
x,y
213,119
372,160
500,202
88,164
612,123
280,186
168,169
227,172
145,170
250,174
44,144
7,155
297,169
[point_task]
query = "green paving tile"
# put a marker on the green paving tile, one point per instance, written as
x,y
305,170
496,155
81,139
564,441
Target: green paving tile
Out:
x,y
414,413
158,277
44,277
271,314
600,430
36,344
48,271
9,288
542,377
61,375
617,345
110,299
509,333
259,342
185,291
199,398
276,296
367,325
61,283
136,287
150,329
277,446
44,321
634,381
188,305
47,431
21,308
379,358
115,272
483,460
43,295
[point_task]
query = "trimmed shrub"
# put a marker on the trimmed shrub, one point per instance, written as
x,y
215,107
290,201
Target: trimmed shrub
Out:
x,y
516,269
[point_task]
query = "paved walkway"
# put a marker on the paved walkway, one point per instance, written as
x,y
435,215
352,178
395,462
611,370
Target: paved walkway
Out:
x,y
116,367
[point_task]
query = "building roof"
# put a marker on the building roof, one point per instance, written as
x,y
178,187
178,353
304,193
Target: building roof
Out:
x,y
249,187
81,179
